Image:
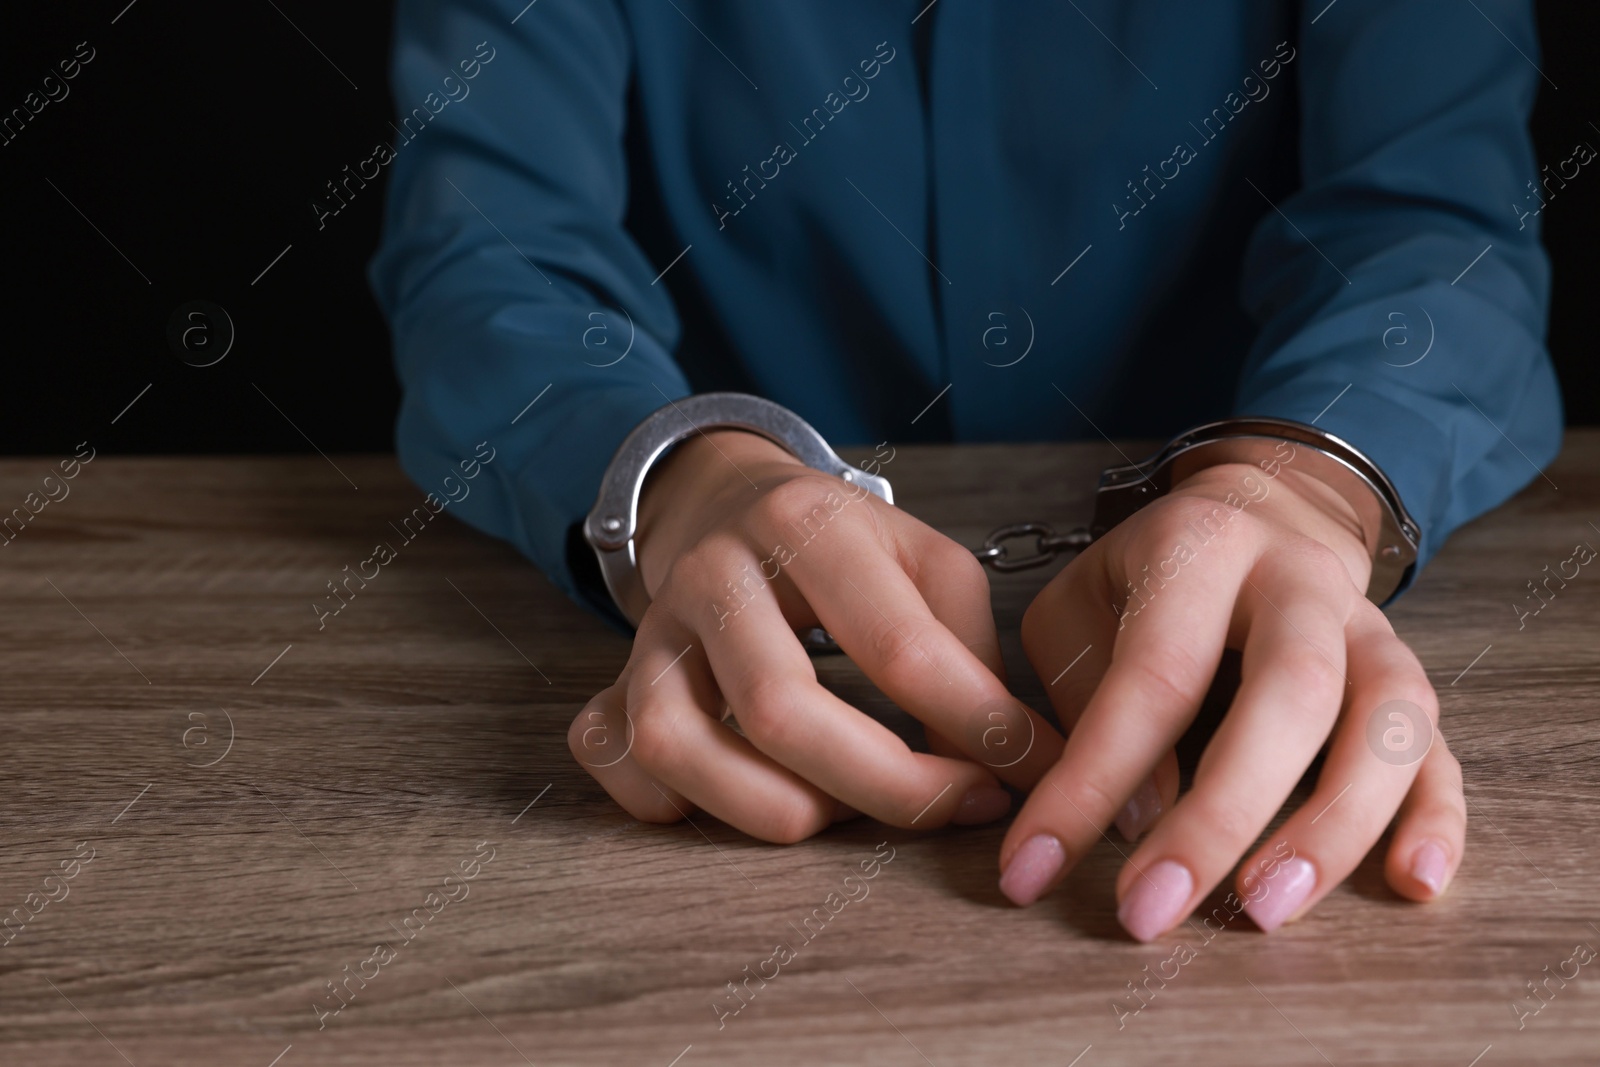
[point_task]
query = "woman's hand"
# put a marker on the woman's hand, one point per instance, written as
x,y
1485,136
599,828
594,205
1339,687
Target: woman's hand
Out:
x,y
739,546
1271,562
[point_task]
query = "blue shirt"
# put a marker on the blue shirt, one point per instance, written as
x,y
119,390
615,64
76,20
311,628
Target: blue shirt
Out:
x,y
964,221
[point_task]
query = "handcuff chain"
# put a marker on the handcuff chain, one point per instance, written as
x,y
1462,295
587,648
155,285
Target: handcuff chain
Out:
x,y
992,553
1047,545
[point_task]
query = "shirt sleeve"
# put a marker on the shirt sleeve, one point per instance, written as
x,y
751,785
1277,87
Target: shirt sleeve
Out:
x,y
1401,291
523,314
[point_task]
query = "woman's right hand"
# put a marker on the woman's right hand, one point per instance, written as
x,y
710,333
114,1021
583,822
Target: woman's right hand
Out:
x,y
740,545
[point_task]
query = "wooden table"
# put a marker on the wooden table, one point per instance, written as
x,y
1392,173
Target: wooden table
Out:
x,y
165,606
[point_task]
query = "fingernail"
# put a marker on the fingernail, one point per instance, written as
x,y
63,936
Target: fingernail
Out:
x,y
1287,889
983,803
1156,900
1429,865
1031,869
1140,811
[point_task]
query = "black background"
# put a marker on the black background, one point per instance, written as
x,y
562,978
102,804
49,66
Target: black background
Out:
x,y
196,140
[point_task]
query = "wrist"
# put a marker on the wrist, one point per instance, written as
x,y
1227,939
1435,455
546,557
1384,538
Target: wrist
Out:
x,y
1297,499
690,486
696,497
1371,508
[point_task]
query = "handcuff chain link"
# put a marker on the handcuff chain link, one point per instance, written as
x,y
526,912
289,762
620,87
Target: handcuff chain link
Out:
x,y
1047,545
994,554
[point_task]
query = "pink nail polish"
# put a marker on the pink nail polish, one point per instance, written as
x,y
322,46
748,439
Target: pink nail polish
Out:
x,y
1156,901
1140,811
1283,894
1429,865
1032,868
983,803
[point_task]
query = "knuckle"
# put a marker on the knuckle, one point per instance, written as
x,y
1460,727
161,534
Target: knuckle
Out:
x,y
1171,677
1324,563
1421,696
1306,673
897,652
903,814
1440,807
809,502
710,562
904,806
1373,620
912,796
765,710
1174,517
1405,680
658,742
1147,541
789,824
1228,822
1321,565
955,564
598,732
792,494
657,808
1448,793
576,741
1063,607
1092,799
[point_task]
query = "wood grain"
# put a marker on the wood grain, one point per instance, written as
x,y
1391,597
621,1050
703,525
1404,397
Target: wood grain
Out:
x,y
371,758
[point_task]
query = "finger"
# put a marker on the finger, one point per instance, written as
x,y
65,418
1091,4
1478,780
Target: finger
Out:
x,y
1068,633
601,739
878,617
940,745
771,686
971,619
1292,682
957,594
1430,836
1151,800
966,610
681,741
1161,667
1363,780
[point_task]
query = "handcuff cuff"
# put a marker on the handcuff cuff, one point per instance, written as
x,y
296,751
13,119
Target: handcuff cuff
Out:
x,y
1392,536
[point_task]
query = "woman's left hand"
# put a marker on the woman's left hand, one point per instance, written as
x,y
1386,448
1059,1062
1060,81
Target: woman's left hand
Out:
x,y
1274,565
